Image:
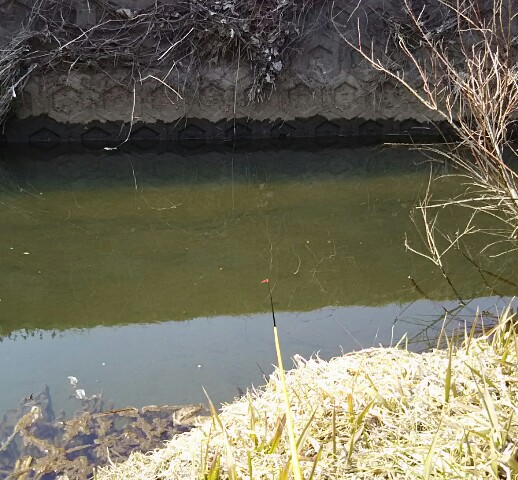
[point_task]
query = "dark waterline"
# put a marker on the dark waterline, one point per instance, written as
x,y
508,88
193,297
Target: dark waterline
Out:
x,y
96,247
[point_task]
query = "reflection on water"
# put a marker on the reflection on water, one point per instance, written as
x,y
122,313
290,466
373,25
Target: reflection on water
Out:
x,y
96,242
170,362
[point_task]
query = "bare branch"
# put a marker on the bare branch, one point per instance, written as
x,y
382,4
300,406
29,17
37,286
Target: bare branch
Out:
x,y
458,59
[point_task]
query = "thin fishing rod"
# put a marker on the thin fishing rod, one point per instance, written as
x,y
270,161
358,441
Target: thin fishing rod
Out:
x,y
295,465
267,280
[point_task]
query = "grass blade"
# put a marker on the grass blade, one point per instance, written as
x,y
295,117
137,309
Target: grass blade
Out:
x,y
447,382
250,466
333,426
274,442
317,459
291,432
285,472
365,411
428,463
302,437
231,465
213,473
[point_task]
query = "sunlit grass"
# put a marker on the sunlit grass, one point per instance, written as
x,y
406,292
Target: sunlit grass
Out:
x,y
378,413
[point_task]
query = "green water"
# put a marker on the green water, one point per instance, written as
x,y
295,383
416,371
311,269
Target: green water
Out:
x,y
138,238
104,240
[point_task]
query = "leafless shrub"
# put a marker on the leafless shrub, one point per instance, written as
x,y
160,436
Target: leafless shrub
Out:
x,y
464,71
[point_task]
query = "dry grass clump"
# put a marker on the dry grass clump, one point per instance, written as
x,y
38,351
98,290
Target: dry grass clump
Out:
x,y
379,413
166,39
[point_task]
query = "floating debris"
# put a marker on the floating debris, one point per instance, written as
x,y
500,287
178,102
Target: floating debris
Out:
x,y
73,380
80,394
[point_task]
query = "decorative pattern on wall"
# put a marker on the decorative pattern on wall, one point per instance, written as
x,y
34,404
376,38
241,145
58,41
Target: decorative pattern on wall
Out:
x,y
325,91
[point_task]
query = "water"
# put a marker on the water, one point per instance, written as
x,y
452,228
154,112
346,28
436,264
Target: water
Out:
x,y
139,273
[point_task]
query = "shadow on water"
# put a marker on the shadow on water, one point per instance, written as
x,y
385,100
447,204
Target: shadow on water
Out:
x,y
111,239
103,254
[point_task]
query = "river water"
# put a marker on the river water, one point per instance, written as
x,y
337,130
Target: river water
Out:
x,y
139,272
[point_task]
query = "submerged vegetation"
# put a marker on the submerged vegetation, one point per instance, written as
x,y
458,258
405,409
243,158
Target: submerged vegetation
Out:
x,y
377,413
36,442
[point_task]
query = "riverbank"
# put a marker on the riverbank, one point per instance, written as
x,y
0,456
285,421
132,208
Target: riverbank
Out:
x,y
377,413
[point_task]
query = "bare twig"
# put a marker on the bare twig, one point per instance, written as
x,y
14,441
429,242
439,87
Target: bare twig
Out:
x,y
457,58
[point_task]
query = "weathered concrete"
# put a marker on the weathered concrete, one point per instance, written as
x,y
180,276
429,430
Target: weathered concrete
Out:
x,y
324,91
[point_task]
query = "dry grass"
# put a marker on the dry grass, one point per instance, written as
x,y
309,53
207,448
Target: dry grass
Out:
x,y
164,41
379,413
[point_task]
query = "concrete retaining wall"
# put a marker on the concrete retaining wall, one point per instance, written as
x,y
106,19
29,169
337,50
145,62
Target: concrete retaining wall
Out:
x,y
324,91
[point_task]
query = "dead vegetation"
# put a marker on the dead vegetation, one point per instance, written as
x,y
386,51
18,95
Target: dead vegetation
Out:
x,y
167,39
459,59
35,443
382,413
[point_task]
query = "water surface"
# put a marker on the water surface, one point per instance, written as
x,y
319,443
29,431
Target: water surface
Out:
x,y
139,272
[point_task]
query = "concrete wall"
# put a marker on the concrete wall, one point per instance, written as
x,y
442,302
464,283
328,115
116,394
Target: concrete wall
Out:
x,y
324,91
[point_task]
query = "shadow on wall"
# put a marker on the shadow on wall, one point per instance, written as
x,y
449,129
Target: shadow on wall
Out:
x,y
47,134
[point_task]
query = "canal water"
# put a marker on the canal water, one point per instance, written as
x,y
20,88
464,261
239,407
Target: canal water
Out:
x,y
139,273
